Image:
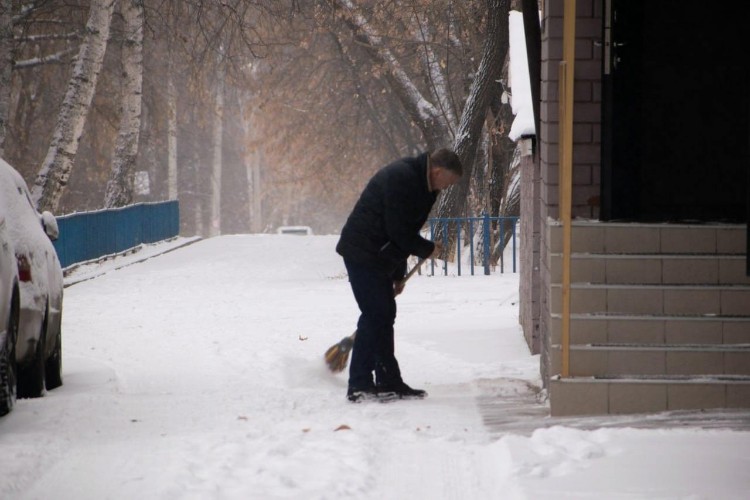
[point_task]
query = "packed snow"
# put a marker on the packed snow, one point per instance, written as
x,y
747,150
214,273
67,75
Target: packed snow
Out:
x,y
519,80
199,374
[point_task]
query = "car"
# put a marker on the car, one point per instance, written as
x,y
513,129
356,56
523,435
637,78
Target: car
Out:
x,y
9,304
296,230
38,343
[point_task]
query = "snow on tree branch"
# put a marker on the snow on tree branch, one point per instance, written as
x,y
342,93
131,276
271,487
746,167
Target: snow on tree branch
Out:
x,y
73,35
422,111
56,58
438,82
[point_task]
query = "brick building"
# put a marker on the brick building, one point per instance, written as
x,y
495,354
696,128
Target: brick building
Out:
x,y
641,302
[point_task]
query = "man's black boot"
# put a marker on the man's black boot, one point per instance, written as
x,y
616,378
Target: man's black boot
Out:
x,y
359,395
402,391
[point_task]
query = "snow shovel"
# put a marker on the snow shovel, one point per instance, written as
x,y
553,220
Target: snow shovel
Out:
x,y
337,356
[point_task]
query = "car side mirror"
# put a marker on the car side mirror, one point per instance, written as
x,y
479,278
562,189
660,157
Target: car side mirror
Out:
x,y
49,223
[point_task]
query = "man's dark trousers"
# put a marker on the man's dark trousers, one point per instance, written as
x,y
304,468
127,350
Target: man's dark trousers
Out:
x,y
373,345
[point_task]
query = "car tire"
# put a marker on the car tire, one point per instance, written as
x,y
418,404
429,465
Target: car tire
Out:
x,y
31,377
53,365
8,371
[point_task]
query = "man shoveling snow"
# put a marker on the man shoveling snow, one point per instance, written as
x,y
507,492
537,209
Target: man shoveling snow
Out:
x,y
380,234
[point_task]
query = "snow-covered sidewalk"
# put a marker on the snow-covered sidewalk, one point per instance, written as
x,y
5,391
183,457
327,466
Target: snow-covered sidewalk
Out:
x,y
199,374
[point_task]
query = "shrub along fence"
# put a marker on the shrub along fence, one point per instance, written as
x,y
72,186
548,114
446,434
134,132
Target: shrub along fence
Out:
x,y
484,238
90,235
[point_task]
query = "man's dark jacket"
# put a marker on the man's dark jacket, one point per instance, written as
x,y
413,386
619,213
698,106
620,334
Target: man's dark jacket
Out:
x,y
383,228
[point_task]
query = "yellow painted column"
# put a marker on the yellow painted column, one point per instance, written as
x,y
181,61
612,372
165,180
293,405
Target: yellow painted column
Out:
x,y
566,76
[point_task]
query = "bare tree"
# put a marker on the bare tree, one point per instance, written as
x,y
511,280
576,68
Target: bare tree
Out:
x,y
434,120
423,112
53,176
336,88
484,86
6,66
217,144
14,36
120,187
171,130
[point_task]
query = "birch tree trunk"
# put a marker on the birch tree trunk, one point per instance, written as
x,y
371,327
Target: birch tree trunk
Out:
x,y
218,134
53,176
6,67
120,187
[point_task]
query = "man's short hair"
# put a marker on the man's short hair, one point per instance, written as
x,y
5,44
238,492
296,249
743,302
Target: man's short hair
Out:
x,y
448,160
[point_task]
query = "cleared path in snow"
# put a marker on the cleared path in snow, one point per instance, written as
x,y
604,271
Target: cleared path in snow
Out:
x,y
199,374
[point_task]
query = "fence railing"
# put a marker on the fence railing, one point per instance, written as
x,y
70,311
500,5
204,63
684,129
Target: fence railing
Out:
x,y
89,235
479,236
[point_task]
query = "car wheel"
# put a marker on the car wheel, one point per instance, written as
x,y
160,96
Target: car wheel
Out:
x,y
31,377
53,367
8,361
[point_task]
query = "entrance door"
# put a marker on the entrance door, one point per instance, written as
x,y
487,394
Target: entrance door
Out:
x,y
676,112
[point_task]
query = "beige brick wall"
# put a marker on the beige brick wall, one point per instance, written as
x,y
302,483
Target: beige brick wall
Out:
x,y
586,138
587,108
529,251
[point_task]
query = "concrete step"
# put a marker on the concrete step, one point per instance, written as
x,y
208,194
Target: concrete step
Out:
x,y
653,269
638,238
629,395
687,300
634,360
652,329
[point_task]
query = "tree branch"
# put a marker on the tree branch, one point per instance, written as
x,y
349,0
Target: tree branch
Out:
x,y
56,58
427,117
49,36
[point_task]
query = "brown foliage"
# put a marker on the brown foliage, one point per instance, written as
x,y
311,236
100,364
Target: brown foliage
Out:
x,y
304,94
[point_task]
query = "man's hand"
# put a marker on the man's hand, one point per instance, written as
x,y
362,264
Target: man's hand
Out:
x,y
398,287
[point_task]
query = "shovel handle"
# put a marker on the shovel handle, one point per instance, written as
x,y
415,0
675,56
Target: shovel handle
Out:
x,y
413,270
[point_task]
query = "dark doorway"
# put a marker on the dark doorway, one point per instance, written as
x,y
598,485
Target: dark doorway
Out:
x,y
675,112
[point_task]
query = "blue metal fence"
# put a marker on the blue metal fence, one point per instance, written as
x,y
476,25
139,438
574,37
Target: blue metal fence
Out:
x,y
468,227
89,235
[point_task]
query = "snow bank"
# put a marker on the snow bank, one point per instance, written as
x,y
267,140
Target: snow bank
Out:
x,y
519,81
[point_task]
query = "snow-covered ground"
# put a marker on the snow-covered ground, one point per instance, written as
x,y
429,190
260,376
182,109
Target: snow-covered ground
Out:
x,y
199,374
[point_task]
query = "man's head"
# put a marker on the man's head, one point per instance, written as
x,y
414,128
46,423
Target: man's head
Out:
x,y
445,169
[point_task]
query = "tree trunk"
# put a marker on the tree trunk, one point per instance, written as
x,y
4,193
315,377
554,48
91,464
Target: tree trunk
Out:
x,y
218,134
252,156
254,191
453,201
171,132
6,68
120,187
53,176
